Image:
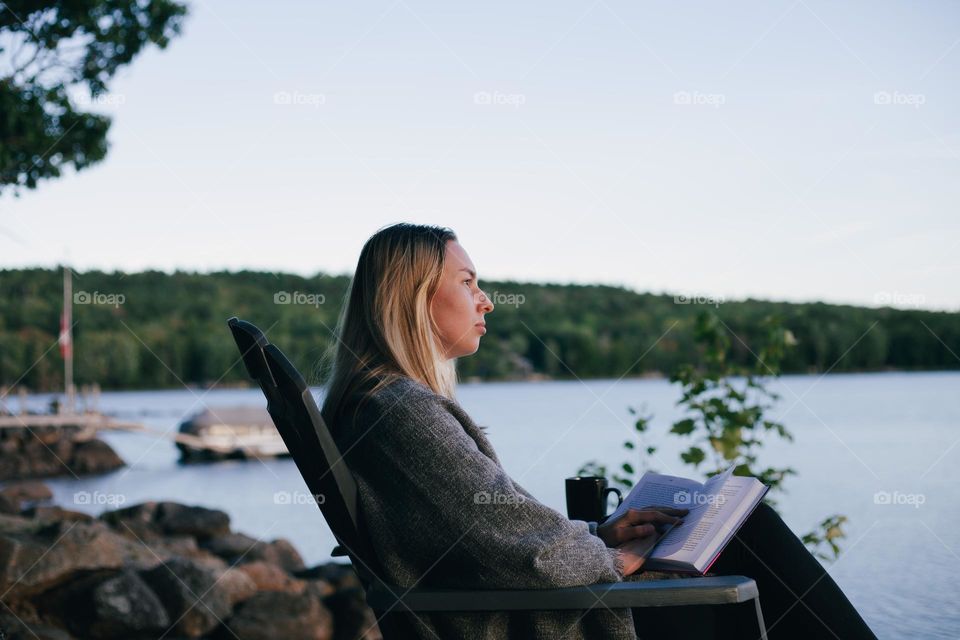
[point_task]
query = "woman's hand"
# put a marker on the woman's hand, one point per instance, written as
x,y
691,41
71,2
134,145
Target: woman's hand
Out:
x,y
633,553
638,523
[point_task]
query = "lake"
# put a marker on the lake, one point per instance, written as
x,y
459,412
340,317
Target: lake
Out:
x,y
880,448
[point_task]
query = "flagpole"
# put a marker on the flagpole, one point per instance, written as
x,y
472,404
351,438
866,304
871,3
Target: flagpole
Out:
x,y
67,340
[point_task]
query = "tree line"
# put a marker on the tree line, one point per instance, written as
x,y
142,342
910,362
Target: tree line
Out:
x,y
155,330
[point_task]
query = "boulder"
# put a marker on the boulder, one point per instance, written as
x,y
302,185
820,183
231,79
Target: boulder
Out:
x,y
354,618
94,456
13,628
239,547
200,522
270,577
9,506
30,491
238,585
151,521
33,561
50,513
106,605
341,576
191,594
273,614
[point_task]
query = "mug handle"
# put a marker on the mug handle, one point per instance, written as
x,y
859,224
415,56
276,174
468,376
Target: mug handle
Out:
x,y
606,494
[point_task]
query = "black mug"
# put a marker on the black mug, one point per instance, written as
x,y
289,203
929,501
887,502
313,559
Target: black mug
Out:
x,y
587,498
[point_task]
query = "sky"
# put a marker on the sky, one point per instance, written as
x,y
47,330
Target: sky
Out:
x,y
792,150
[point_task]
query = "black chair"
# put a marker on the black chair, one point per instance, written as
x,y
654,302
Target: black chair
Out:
x,y
297,417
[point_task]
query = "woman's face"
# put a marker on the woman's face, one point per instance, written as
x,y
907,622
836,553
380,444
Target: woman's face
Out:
x,y
458,305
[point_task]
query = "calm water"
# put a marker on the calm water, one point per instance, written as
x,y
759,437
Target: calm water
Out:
x,y
856,435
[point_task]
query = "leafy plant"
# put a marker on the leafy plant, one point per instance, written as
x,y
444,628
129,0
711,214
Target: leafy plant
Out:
x,y
725,419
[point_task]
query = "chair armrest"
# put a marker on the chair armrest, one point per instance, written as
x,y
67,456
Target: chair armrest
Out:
x,y
658,593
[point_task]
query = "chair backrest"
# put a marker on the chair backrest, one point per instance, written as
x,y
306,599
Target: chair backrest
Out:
x,y
295,414
307,438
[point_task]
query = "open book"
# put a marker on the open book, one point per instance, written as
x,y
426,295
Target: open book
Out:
x,y
718,507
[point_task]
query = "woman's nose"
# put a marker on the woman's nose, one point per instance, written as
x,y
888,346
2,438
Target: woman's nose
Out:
x,y
484,300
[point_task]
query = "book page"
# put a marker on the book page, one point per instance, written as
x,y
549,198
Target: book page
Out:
x,y
709,522
655,489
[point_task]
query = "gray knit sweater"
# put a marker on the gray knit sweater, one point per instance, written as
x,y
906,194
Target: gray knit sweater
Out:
x,y
441,511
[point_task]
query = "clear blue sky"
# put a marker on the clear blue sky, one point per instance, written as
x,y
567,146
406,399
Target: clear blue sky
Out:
x,y
792,150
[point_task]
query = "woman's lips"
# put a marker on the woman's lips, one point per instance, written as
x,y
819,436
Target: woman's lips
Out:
x,y
482,326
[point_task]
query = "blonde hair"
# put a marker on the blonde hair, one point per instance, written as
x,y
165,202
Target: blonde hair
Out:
x,y
386,329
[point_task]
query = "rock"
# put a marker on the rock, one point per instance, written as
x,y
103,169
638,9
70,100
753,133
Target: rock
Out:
x,y
48,513
143,512
135,522
52,451
30,491
32,562
282,553
152,520
233,547
94,456
125,606
319,588
272,614
270,577
239,547
238,585
109,605
191,595
9,505
341,576
19,524
12,628
354,619
200,522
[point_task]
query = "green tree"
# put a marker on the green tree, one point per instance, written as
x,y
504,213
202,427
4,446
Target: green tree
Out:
x,y
56,49
725,420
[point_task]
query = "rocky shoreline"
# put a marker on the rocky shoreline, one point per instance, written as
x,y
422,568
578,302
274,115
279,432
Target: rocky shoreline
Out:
x,y
44,452
162,569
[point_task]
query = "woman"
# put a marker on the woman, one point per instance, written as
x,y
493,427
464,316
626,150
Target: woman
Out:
x,y
441,511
